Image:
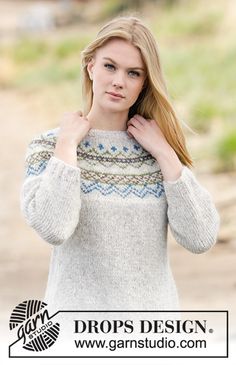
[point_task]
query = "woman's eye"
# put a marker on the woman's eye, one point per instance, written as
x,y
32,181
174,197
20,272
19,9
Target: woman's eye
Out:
x,y
135,73
109,65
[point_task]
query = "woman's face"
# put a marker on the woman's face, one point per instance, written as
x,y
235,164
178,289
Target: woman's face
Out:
x,y
116,68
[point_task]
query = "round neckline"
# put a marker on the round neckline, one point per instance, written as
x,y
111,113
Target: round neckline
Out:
x,y
94,132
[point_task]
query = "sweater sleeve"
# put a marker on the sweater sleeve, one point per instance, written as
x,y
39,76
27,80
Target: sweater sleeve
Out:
x,y
193,218
50,194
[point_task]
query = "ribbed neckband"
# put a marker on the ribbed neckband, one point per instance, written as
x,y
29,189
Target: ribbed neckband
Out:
x,y
107,133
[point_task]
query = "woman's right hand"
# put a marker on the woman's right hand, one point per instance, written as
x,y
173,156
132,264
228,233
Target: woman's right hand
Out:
x,y
73,128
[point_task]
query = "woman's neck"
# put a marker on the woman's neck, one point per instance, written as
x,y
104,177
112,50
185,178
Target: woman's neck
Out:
x,y
108,120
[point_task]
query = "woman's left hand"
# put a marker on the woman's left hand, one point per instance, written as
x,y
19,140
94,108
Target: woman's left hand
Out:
x,y
149,135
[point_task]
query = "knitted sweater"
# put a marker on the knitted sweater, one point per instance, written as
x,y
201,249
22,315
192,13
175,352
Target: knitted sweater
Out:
x,y
107,220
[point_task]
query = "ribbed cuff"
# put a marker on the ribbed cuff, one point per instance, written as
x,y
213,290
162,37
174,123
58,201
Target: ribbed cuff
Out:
x,y
181,184
60,169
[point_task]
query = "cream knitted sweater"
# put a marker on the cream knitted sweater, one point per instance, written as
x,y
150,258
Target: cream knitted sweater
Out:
x,y
107,220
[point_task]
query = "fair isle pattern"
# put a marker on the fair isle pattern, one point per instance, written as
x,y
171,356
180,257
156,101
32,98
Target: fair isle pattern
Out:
x,y
123,185
103,157
37,162
107,157
93,159
108,189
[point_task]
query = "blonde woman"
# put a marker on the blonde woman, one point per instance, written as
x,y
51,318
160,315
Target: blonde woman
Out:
x,y
103,187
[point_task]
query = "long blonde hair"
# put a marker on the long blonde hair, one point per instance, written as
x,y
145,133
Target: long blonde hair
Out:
x,y
153,101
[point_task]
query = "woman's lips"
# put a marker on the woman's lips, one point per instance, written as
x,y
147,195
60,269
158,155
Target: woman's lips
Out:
x,y
116,95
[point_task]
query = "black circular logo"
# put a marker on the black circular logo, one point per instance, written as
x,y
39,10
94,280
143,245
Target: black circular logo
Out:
x,y
34,325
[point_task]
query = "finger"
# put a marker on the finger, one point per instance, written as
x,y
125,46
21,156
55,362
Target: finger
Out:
x,y
135,122
140,119
129,134
132,123
132,129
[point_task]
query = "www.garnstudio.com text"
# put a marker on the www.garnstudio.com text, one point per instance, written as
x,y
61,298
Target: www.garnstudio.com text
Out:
x,y
162,343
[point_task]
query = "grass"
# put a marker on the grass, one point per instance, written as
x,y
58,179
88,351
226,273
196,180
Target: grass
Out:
x,y
69,47
202,77
53,74
111,8
28,50
38,63
187,19
226,151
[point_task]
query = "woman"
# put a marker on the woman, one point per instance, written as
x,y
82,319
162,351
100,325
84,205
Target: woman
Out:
x,y
103,187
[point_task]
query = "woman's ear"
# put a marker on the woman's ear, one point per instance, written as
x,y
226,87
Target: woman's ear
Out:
x,y
90,68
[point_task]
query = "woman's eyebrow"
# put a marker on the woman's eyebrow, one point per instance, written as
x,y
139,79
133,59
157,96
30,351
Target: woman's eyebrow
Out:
x,y
109,59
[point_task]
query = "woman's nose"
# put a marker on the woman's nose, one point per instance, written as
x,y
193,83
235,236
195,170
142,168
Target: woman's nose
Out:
x,y
118,80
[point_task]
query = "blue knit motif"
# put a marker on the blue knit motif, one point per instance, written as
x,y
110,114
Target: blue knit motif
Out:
x,y
36,169
123,191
